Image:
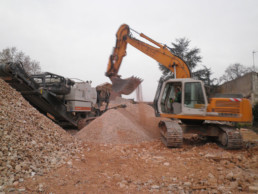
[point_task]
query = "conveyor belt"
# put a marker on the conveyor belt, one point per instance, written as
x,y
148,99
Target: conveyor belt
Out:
x,y
43,100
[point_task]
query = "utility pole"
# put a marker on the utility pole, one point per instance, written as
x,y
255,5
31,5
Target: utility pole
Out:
x,y
253,59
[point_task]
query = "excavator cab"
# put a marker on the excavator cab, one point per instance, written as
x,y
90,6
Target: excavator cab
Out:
x,y
181,97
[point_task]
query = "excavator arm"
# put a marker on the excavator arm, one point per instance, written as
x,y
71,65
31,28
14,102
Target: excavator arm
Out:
x,y
119,51
160,53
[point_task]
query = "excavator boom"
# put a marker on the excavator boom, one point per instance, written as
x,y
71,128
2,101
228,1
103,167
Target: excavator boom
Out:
x,y
163,56
160,53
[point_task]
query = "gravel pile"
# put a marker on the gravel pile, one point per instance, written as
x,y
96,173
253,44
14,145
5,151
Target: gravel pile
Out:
x,y
30,143
134,124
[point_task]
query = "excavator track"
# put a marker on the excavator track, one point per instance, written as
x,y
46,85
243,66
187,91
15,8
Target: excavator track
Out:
x,y
230,138
171,133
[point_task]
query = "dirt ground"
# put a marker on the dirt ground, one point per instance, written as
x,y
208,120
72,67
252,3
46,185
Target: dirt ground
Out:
x,y
151,167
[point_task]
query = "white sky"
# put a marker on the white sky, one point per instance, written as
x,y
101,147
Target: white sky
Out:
x,y
74,38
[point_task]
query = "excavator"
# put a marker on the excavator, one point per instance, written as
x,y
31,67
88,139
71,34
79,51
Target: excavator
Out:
x,y
181,97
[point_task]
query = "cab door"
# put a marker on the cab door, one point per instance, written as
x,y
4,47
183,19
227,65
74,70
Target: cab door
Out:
x,y
164,101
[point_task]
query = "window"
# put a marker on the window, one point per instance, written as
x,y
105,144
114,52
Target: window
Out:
x,y
169,96
194,97
38,80
52,79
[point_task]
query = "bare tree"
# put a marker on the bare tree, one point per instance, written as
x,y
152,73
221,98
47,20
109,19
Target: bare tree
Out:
x,y
35,67
13,55
8,54
234,71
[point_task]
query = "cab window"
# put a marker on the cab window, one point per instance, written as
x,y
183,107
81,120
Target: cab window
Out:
x,y
194,97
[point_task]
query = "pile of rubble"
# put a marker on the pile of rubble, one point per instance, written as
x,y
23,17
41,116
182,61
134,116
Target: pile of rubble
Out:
x,y
30,143
134,124
250,138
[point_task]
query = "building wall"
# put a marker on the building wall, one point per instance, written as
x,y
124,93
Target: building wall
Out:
x,y
255,88
246,85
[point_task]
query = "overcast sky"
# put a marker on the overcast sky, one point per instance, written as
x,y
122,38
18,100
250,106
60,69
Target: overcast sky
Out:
x,y
74,38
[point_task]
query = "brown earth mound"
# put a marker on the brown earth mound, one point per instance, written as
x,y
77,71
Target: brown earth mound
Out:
x,y
133,124
30,143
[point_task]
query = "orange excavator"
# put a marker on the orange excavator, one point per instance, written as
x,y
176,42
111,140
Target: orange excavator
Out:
x,y
181,97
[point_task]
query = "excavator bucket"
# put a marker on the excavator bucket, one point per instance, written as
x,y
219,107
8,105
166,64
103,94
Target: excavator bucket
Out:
x,y
125,86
